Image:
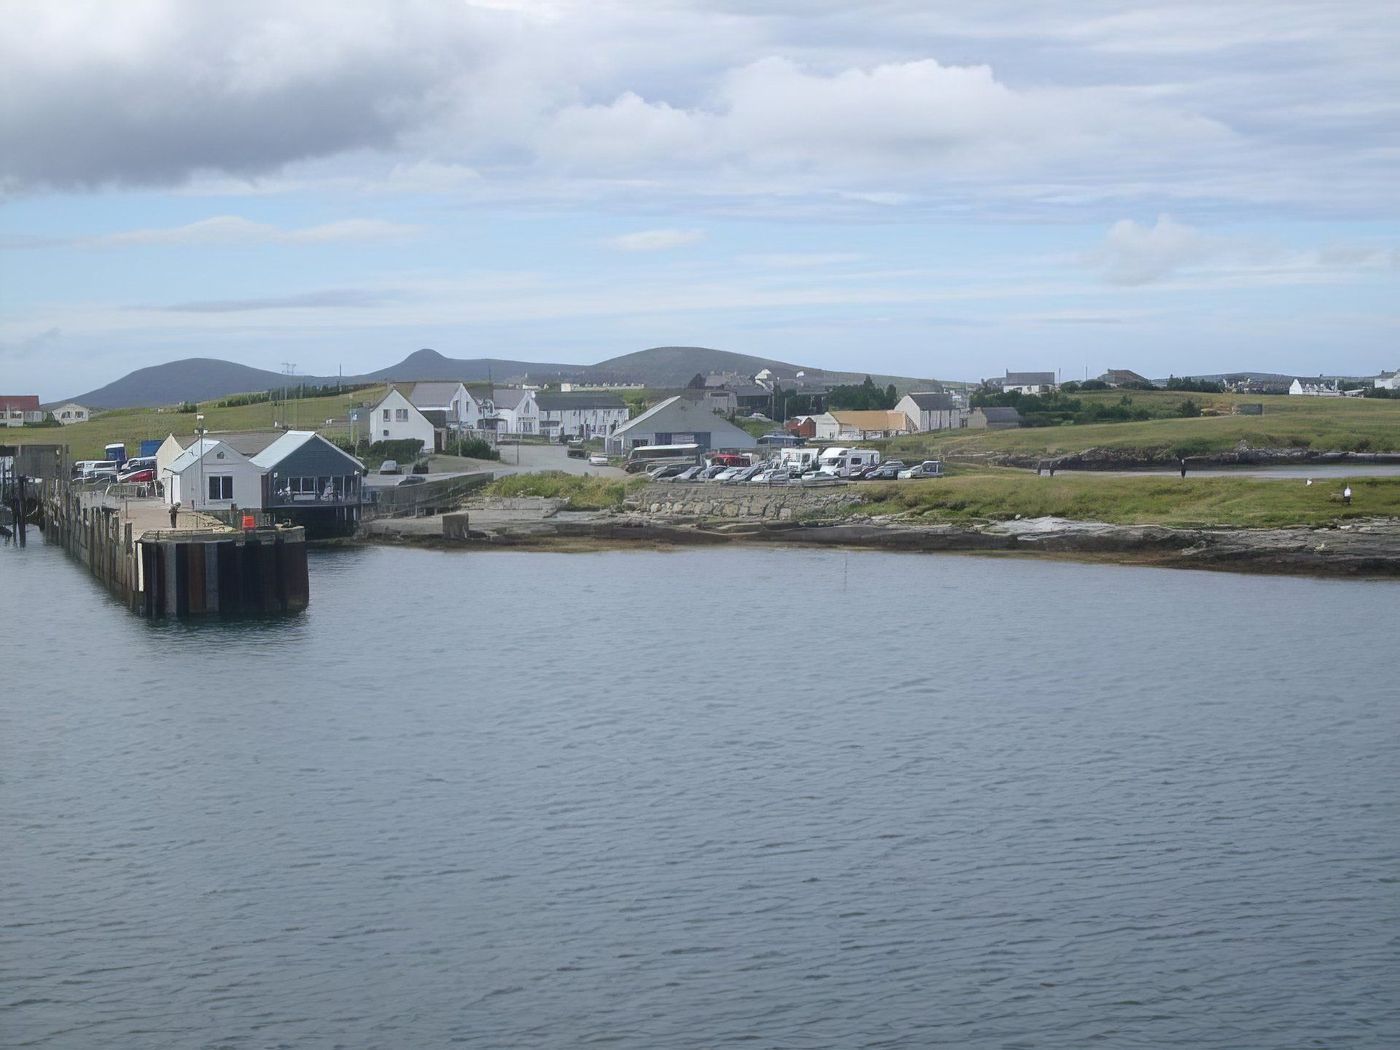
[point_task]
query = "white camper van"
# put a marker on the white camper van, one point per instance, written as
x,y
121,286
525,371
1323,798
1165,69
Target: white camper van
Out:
x,y
847,462
801,459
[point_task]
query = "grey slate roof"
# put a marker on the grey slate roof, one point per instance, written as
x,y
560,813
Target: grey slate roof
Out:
x,y
244,442
1029,379
432,394
508,397
931,402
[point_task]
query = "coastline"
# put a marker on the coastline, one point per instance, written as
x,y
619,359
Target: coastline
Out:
x,y
1368,549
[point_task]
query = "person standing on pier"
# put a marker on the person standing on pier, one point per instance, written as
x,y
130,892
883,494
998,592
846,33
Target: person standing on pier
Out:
x,y
174,514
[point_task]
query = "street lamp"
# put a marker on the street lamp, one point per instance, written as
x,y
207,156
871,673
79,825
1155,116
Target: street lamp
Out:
x,y
199,428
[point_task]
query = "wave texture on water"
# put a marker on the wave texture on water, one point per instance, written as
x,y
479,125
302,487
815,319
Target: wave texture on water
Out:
x,y
784,798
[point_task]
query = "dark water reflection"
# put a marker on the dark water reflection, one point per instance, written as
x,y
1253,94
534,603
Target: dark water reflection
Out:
x,y
787,798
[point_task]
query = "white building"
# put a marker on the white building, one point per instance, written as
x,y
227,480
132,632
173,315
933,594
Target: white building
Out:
x,y
931,411
1388,381
451,398
72,412
580,415
1310,389
19,409
210,475
1029,382
677,421
515,411
396,418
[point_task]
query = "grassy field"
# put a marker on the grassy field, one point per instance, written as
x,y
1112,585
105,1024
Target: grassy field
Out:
x,y
584,492
1231,502
1323,424
133,425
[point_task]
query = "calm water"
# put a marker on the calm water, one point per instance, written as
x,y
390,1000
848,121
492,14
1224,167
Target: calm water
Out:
x,y
782,798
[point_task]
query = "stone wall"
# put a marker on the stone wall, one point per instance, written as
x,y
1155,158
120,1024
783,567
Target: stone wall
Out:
x,y
753,502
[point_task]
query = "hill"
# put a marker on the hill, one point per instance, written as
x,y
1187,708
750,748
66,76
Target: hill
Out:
x,y
429,364
192,379
661,367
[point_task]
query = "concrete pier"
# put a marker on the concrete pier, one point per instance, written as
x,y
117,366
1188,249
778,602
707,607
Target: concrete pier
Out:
x,y
197,567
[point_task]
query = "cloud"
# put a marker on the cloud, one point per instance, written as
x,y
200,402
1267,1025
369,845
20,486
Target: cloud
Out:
x,y
334,298
1133,254
799,260
900,121
655,240
227,230
772,106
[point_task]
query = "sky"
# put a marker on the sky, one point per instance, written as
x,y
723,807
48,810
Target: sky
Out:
x,y
932,189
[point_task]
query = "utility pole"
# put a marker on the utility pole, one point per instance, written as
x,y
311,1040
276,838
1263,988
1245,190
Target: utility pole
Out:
x,y
289,369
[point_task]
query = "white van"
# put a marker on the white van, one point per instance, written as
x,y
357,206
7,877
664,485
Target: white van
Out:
x,y
94,470
803,459
847,462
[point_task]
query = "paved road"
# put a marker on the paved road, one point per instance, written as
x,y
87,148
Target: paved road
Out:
x,y
525,459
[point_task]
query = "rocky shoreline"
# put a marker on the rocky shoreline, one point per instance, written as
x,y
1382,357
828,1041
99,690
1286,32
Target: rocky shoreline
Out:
x,y
1369,549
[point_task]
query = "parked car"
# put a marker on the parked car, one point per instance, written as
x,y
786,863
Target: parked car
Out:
x,y
666,472
598,461
576,451
390,466
747,474
413,479
929,468
886,471
773,476
689,474
710,473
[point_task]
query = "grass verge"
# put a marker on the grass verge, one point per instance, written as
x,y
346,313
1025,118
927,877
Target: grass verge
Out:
x,y
1227,502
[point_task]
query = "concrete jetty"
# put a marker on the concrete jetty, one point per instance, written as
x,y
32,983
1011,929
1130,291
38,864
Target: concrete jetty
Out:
x,y
197,566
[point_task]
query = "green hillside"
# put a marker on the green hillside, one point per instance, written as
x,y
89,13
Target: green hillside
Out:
x,y
1321,424
132,425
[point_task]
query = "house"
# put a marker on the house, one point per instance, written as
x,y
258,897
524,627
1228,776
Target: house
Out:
x,y
716,399
752,397
580,415
1027,382
246,443
870,425
395,418
930,411
1124,377
993,419
511,410
1387,381
842,425
802,426
1314,389
308,480
677,421
19,409
451,397
72,412
211,475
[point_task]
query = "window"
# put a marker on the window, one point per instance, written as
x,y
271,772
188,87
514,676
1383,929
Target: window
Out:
x,y
386,417
221,486
386,433
400,415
